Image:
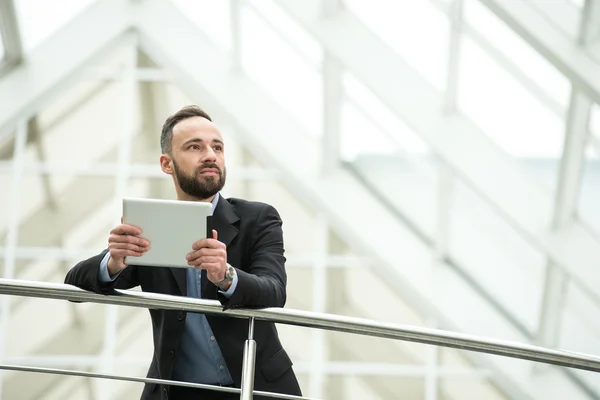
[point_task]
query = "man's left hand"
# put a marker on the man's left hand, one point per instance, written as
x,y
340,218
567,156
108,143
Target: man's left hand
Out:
x,y
211,255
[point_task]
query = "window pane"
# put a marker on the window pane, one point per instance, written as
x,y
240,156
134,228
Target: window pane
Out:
x,y
490,251
397,132
375,140
506,111
514,47
564,16
213,17
297,36
589,196
282,71
576,3
595,121
39,19
416,30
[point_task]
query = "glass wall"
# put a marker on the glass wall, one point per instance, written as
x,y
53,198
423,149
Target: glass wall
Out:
x,y
39,19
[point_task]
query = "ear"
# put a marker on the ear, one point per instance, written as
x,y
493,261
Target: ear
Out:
x,y
165,164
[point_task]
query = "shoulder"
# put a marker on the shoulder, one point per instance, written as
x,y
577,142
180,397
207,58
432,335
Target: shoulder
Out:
x,y
251,209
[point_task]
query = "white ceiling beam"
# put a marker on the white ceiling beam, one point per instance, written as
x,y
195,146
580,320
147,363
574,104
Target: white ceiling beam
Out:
x,y
11,36
57,62
589,27
507,63
565,210
551,42
141,74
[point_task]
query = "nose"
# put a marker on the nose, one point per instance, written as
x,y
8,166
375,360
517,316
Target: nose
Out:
x,y
209,155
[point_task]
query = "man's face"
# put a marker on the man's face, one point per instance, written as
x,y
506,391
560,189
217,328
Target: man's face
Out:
x,y
197,157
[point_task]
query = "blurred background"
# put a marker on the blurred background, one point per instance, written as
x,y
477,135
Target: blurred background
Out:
x,y
435,163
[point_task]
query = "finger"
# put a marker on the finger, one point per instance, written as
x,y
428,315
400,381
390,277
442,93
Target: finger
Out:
x,y
209,260
207,252
204,260
199,244
126,229
194,258
129,239
209,244
215,234
121,253
127,246
209,267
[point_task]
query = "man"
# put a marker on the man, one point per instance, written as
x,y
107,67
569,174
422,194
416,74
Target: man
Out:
x,y
242,265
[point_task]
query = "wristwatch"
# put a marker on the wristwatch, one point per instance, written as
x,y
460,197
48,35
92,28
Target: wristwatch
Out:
x,y
229,274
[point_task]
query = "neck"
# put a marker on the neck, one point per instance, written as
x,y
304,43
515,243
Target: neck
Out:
x,y
182,196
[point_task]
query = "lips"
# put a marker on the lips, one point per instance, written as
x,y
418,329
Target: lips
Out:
x,y
209,172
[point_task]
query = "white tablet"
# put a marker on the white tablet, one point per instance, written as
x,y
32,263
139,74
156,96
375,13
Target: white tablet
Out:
x,y
171,226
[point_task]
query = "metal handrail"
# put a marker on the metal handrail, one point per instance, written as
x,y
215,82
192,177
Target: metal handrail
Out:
x,y
87,374
308,319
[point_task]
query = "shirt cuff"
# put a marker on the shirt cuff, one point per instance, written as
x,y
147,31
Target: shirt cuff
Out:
x,y
103,275
231,289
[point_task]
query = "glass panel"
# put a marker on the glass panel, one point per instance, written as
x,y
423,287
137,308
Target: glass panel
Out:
x,y
354,140
536,67
564,16
389,156
282,71
213,17
577,3
595,121
402,135
589,197
39,19
416,30
297,36
489,251
511,116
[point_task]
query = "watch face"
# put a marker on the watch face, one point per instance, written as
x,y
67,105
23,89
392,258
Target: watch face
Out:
x,y
230,272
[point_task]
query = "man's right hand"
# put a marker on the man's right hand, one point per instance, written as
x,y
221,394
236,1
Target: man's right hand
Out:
x,y
124,241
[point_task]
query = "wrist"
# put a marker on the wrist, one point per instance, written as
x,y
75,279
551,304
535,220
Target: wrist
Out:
x,y
113,269
225,283
226,286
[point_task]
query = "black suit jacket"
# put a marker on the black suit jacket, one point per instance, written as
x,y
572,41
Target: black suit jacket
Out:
x,y
254,239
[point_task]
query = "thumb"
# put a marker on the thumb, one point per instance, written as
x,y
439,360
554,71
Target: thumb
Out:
x,y
215,235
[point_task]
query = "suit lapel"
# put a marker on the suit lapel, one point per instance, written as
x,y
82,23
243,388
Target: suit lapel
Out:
x,y
181,279
224,221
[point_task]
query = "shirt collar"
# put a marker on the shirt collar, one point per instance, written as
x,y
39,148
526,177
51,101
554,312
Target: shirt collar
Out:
x,y
214,203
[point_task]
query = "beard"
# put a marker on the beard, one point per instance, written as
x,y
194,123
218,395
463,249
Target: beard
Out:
x,y
200,187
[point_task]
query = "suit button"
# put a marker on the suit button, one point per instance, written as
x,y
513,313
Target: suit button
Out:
x,y
172,354
180,316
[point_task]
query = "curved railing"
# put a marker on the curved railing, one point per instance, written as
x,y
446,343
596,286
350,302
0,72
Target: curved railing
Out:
x,y
291,317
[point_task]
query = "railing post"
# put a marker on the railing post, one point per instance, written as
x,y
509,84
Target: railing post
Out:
x,y
248,364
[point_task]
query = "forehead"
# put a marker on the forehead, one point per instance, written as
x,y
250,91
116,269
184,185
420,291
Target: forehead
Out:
x,y
195,128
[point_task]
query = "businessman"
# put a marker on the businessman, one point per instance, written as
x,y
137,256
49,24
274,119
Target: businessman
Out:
x,y
242,265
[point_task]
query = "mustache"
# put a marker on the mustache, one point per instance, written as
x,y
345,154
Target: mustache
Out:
x,y
209,165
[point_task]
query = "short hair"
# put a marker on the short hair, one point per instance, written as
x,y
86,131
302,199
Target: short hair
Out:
x,y
166,136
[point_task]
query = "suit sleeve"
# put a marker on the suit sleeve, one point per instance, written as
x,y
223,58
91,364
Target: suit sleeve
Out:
x,y
264,284
85,276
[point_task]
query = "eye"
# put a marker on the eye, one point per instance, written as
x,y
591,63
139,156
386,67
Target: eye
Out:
x,y
193,147
218,148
